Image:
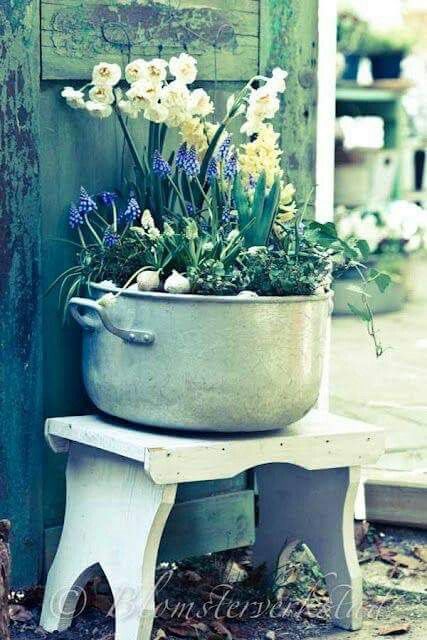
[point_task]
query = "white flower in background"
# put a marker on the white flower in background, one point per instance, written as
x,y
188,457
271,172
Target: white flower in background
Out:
x,y
168,230
200,103
98,109
143,92
153,233
147,220
106,73
102,93
128,108
74,97
156,112
155,70
193,133
134,71
277,82
183,68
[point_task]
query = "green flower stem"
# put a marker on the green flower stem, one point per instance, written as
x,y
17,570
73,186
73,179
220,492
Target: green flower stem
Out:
x,y
130,143
178,193
204,196
82,238
96,236
114,208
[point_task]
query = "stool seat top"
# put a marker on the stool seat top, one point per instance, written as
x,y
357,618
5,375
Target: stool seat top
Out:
x,y
321,440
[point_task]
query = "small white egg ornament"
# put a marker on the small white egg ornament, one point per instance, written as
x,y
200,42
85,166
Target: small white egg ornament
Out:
x,y
148,280
177,283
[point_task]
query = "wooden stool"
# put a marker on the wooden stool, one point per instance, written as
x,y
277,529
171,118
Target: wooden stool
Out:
x,y
121,487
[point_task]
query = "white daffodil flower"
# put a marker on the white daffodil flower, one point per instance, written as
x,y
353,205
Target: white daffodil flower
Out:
x,y
74,97
183,68
129,108
277,82
156,112
134,71
155,70
200,103
106,73
102,93
98,110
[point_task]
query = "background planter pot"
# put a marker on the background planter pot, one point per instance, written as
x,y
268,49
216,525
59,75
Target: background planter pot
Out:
x,y
386,65
393,298
351,69
203,362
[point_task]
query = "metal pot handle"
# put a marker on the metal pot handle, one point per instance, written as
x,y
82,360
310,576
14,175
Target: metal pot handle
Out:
x,y
92,324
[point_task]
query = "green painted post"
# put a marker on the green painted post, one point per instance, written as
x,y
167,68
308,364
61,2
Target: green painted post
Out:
x,y
20,300
289,39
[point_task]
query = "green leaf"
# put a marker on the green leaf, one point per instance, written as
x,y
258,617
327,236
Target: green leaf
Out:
x,y
241,200
271,204
253,235
363,247
381,279
359,313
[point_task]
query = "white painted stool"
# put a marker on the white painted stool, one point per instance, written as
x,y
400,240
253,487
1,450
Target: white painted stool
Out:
x,y
121,486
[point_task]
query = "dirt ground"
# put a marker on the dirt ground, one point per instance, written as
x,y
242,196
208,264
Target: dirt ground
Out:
x,y
394,563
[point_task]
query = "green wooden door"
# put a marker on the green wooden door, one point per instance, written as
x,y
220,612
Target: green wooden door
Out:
x,y
233,40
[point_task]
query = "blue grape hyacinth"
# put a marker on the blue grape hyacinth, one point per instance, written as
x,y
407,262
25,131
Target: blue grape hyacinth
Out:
x,y
230,167
132,211
75,218
224,149
191,163
108,197
111,238
212,171
86,203
160,167
181,156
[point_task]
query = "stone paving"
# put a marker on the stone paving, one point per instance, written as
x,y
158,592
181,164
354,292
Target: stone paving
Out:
x,y
392,391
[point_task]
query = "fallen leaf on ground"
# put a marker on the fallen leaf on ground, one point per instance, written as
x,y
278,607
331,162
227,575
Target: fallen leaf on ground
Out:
x,y
234,573
270,635
18,613
421,553
160,635
399,559
394,630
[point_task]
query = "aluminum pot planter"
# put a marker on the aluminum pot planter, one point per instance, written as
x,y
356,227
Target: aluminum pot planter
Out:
x,y
211,363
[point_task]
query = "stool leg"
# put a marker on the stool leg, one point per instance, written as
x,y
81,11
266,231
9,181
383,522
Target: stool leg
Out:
x,y
316,507
115,516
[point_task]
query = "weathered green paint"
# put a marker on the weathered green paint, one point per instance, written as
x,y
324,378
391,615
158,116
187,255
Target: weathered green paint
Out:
x,y
76,35
195,527
20,300
289,39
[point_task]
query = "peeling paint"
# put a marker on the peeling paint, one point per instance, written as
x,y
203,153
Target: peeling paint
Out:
x,y
20,300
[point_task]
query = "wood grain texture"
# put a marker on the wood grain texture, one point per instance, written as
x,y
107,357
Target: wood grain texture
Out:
x,y
289,39
320,440
20,286
107,493
75,35
195,527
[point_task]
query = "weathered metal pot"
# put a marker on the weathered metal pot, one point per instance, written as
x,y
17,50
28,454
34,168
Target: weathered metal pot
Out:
x,y
208,363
